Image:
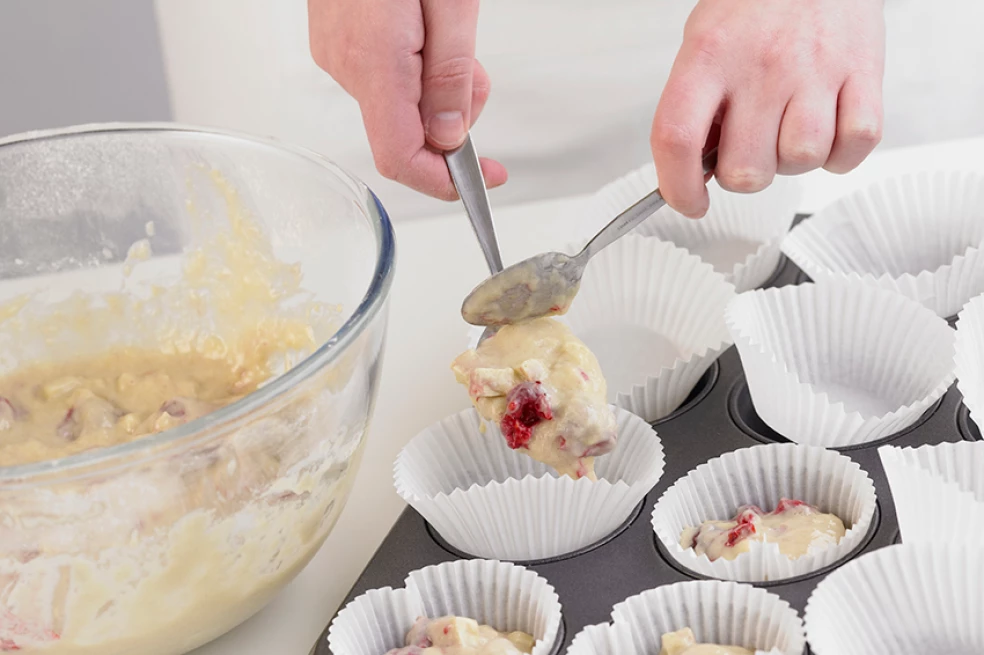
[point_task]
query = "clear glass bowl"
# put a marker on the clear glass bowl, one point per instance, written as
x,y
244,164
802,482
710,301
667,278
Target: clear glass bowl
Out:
x,y
159,545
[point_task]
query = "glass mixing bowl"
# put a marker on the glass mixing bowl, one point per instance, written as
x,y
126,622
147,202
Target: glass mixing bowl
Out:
x,y
161,544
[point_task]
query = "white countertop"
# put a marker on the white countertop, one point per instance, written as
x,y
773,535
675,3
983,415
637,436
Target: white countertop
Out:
x,y
438,262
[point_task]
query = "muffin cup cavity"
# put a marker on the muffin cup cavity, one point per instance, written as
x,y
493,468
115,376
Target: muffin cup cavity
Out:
x,y
836,365
763,475
740,235
938,491
909,599
920,234
489,501
505,596
653,314
725,613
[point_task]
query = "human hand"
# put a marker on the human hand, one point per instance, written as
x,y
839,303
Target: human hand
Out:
x,y
791,84
418,96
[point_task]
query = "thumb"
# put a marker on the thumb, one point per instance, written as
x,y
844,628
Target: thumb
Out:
x,y
448,67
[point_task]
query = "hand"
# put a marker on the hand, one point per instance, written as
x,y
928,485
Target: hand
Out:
x,y
792,84
418,96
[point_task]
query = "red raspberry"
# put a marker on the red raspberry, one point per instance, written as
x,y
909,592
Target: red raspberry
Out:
x,y
528,406
785,504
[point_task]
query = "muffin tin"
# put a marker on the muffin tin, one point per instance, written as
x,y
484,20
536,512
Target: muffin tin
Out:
x,y
717,417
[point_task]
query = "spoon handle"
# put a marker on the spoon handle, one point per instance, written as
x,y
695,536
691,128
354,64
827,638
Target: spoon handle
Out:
x,y
466,173
634,215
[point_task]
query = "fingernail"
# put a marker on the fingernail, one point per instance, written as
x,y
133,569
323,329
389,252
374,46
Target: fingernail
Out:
x,y
446,129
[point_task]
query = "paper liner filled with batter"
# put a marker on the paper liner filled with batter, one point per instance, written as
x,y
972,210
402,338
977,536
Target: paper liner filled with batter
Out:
x,y
837,365
938,491
762,476
499,594
740,235
490,501
653,314
970,358
920,234
723,613
908,599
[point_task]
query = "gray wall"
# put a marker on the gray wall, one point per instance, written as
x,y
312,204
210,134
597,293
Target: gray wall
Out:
x,y
64,62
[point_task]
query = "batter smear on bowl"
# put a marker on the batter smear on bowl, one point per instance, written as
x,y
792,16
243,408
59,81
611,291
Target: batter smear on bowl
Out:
x,y
683,642
454,635
794,525
544,389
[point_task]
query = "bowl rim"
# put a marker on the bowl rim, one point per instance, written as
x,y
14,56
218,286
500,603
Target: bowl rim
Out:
x,y
368,308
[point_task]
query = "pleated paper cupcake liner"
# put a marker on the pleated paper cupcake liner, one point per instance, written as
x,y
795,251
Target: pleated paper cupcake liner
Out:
x,y
653,314
724,613
920,234
909,599
503,595
490,501
970,358
938,491
740,235
836,365
762,476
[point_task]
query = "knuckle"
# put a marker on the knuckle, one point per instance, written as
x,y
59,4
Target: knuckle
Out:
x,y
743,180
865,134
673,138
450,73
387,165
803,154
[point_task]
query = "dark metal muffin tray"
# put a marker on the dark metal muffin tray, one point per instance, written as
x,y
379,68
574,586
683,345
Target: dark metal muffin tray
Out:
x,y
718,417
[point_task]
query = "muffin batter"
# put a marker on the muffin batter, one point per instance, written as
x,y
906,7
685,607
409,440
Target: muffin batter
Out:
x,y
53,410
182,542
794,525
454,635
545,390
683,642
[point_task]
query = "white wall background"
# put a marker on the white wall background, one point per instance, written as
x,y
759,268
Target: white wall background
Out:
x,y
64,62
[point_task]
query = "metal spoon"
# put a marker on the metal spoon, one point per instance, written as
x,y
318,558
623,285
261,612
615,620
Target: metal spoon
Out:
x,y
466,173
545,285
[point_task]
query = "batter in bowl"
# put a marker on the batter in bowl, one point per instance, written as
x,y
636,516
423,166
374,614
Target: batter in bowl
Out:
x,y
683,642
454,635
545,390
794,525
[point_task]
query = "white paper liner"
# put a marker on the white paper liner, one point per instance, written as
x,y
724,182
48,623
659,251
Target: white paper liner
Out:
x,y
970,358
739,236
909,599
920,234
725,613
938,491
763,475
653,314
490,501
503,595
837,365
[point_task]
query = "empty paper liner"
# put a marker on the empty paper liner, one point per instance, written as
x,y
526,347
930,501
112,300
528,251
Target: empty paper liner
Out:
x,y
490,501
740,235
838,365
653,314
938,491
909,599
970,357
503,595
762,476
919,234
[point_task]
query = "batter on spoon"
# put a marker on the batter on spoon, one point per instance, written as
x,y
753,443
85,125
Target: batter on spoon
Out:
x,y
545,390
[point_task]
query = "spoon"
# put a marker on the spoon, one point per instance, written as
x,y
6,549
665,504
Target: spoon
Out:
x,y
546,284
466,173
